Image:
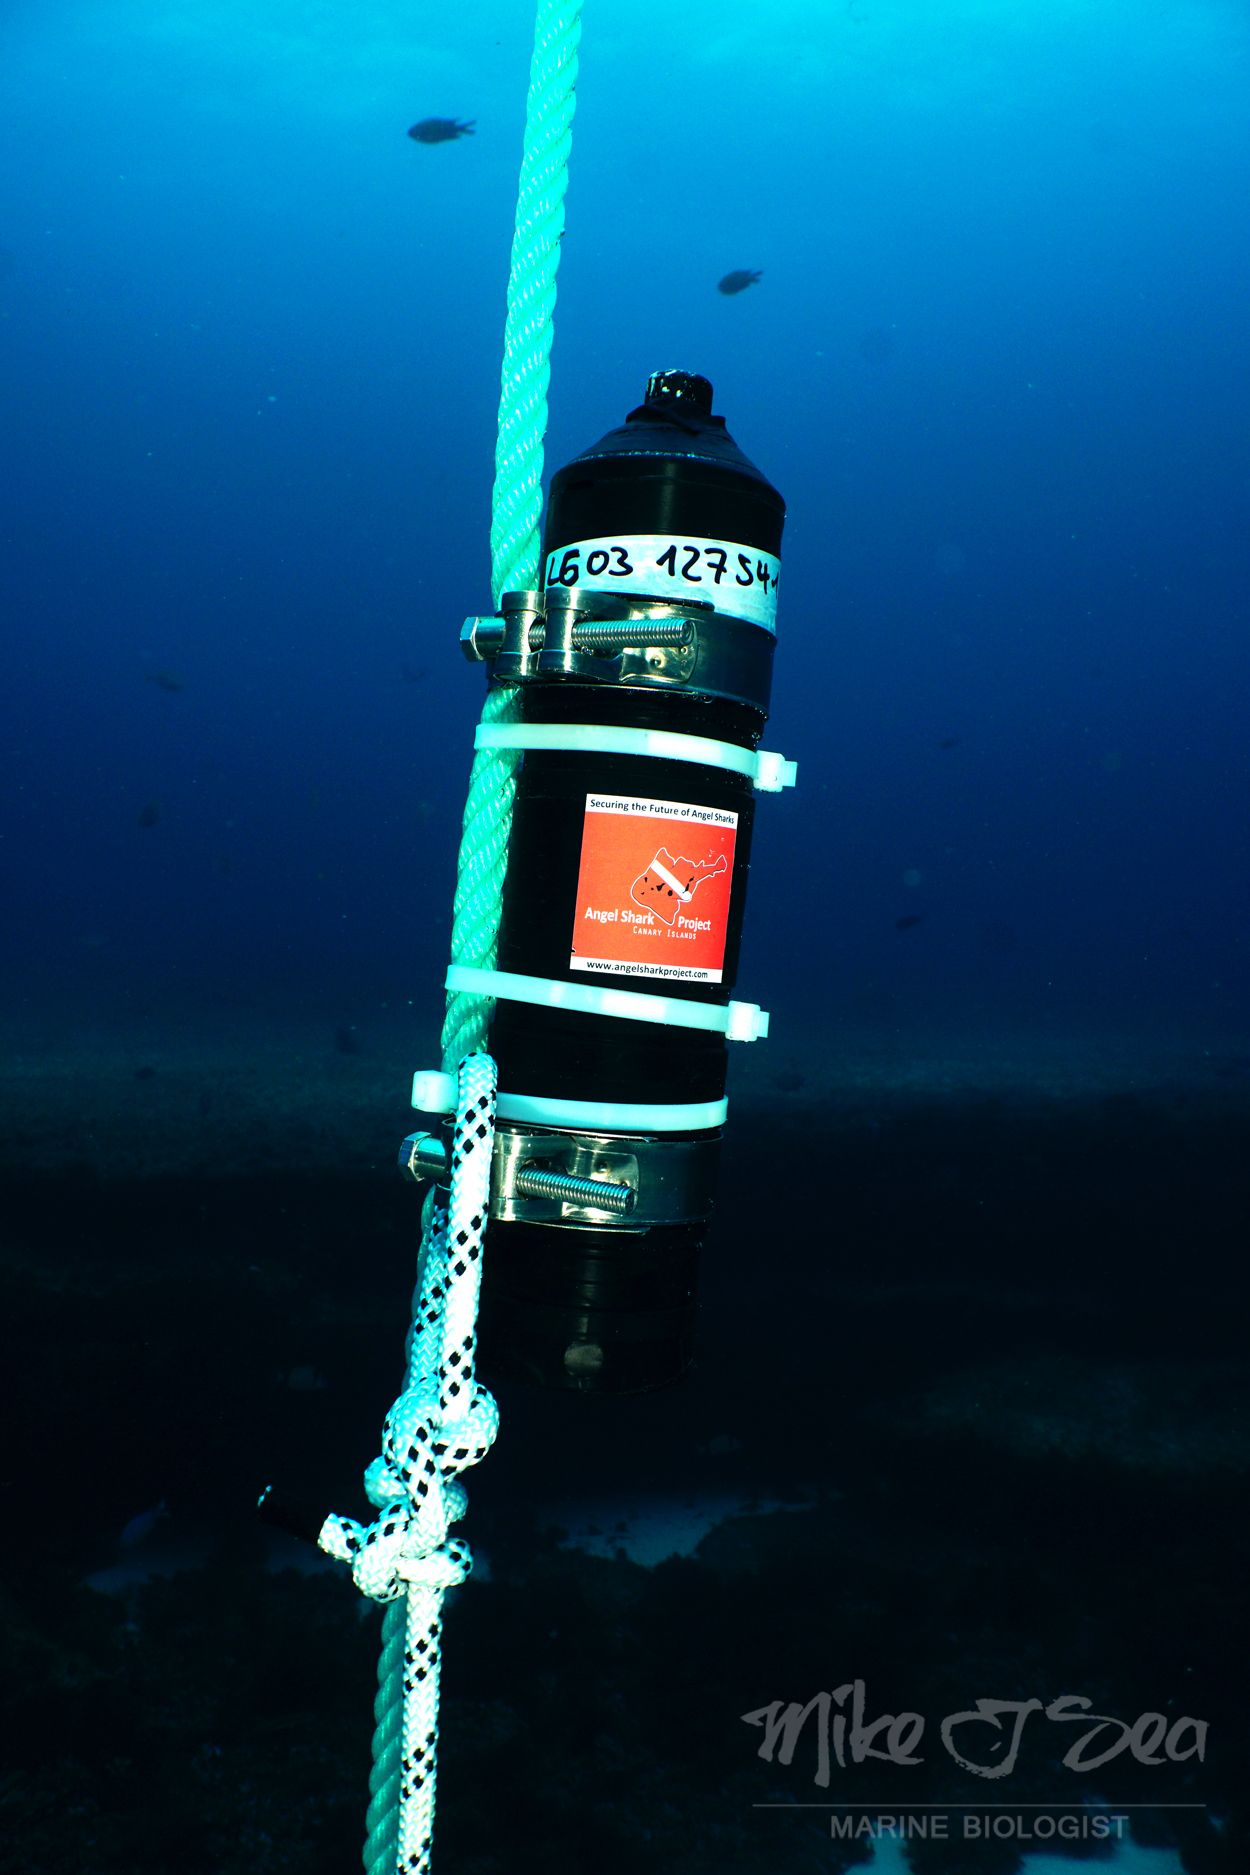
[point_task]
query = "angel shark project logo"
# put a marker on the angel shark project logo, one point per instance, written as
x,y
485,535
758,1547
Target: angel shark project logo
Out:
x,y
667,885
654,888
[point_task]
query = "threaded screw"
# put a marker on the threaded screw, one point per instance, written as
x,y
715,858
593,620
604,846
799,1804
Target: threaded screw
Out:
x,y
637,632
562,1187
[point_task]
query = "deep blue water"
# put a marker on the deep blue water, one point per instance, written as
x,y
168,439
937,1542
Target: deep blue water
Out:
x,y
996,363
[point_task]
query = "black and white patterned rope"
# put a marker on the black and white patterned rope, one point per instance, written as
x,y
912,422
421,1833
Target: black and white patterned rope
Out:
x,y
442,1423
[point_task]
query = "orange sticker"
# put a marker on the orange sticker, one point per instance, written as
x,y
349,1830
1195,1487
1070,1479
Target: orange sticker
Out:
x,y
653,889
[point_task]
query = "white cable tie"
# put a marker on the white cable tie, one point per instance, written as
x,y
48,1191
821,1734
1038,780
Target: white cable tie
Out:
x,y
737,1022
747,1023
433,1092
436,1093
765,768
774,772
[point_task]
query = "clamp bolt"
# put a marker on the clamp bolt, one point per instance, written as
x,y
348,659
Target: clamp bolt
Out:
x,y
424,1156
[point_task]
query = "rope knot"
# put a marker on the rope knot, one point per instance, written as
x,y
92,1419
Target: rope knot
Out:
x,y
415,1488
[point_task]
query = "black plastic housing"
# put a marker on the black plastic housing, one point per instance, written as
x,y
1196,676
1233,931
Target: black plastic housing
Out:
x,y
567,1306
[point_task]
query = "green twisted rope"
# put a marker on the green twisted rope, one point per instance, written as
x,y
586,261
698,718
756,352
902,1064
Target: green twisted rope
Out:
x,y
516,511
516,508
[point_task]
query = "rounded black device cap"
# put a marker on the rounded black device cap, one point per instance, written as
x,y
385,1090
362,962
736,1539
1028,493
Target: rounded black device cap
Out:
x,y
686,389
675,422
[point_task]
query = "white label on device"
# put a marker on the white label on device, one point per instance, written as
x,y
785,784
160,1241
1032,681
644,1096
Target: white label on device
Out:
x,y
736,579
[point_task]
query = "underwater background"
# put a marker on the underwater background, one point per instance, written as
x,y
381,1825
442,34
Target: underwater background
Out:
x,y
969,1416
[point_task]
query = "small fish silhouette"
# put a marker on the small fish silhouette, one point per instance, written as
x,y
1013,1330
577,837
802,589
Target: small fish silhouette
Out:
x,y
441,129
739,280
149,815
166,680
908,923
140,1528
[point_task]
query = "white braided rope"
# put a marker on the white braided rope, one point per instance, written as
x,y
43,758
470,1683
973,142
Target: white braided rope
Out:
x,y
442,1423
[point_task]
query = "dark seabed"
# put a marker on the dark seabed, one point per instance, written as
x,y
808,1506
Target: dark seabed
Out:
x,y
970,1413
973,1423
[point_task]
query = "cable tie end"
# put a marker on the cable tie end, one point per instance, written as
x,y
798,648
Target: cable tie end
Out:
x,y
747,1022
433,1092
773,772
